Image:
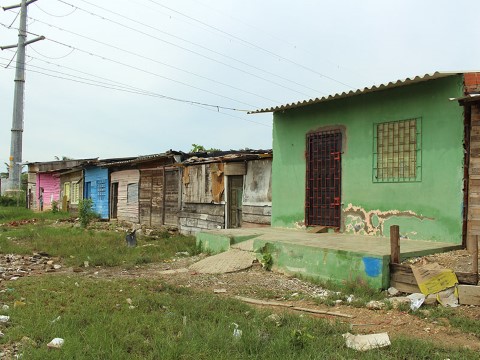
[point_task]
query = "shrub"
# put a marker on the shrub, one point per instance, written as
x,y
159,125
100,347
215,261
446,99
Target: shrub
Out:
x,y
85,212
55,208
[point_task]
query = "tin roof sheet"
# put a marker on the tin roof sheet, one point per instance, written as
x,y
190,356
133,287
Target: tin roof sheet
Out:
x,y
384,86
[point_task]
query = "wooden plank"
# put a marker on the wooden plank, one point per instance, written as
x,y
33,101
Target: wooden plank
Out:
x,y
406,288
318,229
403,273
394,244
235,168
276,303
469,295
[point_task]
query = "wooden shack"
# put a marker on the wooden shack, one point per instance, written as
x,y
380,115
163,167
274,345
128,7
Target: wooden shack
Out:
x,y
226,190
146,190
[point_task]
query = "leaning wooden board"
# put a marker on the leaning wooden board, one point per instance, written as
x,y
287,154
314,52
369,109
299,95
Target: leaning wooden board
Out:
x,y
402,278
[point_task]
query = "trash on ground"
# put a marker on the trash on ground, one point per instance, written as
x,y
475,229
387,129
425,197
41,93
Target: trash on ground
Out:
x,y
129,301
350,298
5,307
18,303
56,266
448,297
392,291
56,343
274,318
396,301
376,305
56,319
416,300
219,291
366,342
4,318
131,239
237,333
432,278
86,264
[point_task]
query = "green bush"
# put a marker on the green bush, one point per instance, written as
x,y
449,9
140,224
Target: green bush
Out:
x,y
85,212
12,201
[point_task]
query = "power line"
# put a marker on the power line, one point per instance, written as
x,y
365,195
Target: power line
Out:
x,y
249,43
153,60
141,92
53,58
193,51
58,16
90,82
140,69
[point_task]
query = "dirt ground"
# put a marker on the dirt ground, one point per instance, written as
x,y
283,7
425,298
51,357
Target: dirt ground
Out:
x,y
258,283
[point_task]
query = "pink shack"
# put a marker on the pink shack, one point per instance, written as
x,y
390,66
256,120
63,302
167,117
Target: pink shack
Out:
x,y
46,176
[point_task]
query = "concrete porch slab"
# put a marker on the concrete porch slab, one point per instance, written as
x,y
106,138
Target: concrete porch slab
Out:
x,y
327,256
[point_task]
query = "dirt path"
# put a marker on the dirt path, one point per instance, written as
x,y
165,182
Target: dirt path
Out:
x,y
260,284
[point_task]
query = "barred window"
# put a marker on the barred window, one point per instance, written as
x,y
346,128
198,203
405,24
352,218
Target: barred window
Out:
x,y
102,189
397,153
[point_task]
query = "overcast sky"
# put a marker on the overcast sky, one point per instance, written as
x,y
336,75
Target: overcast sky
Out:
x,y
228,54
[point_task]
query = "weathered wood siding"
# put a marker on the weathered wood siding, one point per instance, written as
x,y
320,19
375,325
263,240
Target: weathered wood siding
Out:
x,y
32,186
50,182
257,193
203,197
172,196
127,206
473,219
159,191
96,179
198,217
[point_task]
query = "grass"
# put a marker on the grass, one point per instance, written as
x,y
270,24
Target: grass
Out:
x,y
173,323
450,316
76,245
13,213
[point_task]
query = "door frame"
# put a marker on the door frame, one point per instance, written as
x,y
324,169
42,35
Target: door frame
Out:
x,y
333,130
114,205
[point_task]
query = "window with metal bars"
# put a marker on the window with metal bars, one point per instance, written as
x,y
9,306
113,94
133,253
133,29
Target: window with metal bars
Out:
x,y
397,155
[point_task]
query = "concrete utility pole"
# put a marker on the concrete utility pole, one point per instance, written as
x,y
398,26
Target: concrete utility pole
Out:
x,y
15,167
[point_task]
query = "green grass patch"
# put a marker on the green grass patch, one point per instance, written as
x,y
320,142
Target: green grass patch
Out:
x,y
100,248
8,214
173,323
450,316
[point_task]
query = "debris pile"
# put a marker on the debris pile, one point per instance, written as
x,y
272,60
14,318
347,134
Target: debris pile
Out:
x,y
13,267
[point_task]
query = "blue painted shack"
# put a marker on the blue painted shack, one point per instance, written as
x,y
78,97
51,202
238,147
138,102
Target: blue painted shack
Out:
x,y
96,185
96,188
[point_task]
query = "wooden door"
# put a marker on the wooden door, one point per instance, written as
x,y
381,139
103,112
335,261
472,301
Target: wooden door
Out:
x,y
235,194
323,182
151,197
114,200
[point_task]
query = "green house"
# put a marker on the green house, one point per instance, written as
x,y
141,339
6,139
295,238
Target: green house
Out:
x,y
402,153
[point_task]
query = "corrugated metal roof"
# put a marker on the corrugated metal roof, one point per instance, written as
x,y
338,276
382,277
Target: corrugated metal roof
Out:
x,y
230,156
389,85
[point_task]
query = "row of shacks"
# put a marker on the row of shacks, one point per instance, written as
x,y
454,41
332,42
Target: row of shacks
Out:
x,y
194,191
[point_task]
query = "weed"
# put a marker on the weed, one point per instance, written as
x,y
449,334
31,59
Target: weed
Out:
x,y
55,207
85,212
267,261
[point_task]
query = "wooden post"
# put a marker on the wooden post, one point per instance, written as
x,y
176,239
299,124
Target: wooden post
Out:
x,y
394,244
475,255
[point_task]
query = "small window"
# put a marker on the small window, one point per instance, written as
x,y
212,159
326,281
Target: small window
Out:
x,y
132,193
397,153
102,189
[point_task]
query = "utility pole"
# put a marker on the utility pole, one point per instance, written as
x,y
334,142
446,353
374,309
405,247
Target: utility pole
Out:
x,y
15,167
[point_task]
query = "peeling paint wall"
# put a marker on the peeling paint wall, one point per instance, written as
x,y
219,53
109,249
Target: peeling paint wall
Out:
x,y
430,209
257,193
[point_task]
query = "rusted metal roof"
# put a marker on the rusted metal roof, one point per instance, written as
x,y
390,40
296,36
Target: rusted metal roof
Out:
x,y
226,156
142,158
389,85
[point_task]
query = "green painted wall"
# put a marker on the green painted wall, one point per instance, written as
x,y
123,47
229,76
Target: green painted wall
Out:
x,y
430,209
